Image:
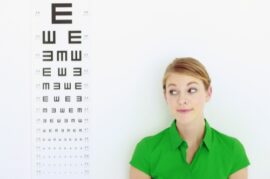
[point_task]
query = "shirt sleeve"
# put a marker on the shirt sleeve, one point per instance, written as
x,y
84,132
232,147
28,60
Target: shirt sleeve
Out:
x,y
239,157
140,158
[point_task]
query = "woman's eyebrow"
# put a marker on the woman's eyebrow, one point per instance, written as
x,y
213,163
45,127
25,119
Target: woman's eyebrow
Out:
x,y
171,84
192,82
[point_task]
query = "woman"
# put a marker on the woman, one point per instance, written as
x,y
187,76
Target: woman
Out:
x,y
189,148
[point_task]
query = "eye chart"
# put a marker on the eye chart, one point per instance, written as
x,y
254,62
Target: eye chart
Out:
x,y
61,105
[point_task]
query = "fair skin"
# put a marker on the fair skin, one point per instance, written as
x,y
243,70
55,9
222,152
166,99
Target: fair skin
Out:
x,y
186,97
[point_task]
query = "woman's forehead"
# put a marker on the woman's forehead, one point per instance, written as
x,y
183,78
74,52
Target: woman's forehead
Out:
x,y
175,79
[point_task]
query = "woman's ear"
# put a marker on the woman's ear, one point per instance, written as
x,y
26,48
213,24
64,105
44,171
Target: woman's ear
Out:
x,y
208,93
164,93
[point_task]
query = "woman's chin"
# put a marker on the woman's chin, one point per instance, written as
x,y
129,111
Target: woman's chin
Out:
x,y
184,118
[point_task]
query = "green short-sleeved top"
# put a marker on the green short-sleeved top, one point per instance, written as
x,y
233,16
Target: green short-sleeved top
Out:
x,y
163,156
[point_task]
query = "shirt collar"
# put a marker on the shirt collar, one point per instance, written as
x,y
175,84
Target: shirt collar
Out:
x,y
177,140
207,139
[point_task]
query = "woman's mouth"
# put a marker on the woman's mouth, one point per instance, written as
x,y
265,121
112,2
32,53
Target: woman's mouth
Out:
x,y
183,110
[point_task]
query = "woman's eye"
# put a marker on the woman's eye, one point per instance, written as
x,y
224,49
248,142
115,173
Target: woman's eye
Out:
x,y
173,92
192,90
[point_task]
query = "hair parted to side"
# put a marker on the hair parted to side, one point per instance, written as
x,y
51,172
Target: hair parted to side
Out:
x,y
187,66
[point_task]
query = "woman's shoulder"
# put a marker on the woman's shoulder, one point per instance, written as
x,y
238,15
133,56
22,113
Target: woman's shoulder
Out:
x,y
225,141
156,139
230,149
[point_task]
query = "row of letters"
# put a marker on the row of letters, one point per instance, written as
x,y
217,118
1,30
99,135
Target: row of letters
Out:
x,y
63,85
78,98
62,120
61,130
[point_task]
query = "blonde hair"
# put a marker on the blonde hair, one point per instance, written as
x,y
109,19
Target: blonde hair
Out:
x,y
187,66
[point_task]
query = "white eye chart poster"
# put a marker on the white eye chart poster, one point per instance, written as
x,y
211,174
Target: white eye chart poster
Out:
x,y
61,104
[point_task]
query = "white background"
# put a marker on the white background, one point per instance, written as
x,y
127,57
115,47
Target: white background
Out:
x,y
132,43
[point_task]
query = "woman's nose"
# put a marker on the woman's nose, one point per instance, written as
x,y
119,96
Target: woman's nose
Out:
x,y
182,99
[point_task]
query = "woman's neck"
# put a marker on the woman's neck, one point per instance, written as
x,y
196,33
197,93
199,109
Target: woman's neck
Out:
x,y
192,132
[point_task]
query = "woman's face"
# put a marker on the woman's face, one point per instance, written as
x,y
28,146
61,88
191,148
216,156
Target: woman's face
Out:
x,y
186,97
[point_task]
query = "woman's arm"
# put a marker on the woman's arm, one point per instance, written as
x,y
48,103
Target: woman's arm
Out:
x,y
240,174
137,174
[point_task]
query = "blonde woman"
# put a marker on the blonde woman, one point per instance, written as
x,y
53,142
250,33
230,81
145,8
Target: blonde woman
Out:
x,y
190,148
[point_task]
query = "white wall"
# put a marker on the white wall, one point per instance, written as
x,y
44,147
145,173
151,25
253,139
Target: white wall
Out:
x,y
15,128
132,43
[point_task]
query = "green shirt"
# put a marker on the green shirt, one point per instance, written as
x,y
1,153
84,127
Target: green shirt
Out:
x,y
163,156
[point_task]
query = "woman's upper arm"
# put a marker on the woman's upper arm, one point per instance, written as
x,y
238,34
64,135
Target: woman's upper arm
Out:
x,y
137,174
240,174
